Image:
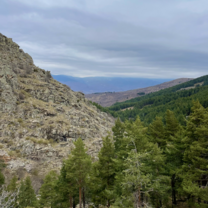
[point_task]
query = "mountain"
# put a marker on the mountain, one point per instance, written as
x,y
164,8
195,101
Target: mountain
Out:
x,y
178,99
109,98
89,85
40,117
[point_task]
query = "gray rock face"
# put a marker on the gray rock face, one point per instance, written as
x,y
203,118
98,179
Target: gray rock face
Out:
x,y
40,117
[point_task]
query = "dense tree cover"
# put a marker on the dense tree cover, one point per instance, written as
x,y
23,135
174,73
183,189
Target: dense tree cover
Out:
x,y
26,196
156,104
163,164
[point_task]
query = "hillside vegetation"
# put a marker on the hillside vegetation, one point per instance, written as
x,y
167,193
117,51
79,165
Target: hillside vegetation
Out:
x,y
138,166
107,99
177,99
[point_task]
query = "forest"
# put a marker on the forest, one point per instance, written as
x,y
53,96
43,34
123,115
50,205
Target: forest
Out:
x,y
161,164
177,99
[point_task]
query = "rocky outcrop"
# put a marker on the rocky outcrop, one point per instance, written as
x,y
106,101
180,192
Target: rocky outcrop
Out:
x,y
40,117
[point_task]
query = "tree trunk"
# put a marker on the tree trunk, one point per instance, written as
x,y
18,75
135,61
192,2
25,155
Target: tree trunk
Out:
x,y
83,197
74,203
80,197
108,204
160,203
139,198
174,202
70,202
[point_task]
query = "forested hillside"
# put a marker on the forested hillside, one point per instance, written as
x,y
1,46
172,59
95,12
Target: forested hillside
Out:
x,y
177,99
138,166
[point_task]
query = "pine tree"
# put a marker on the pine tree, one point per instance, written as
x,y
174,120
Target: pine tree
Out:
x,y
13,184
66,186
118,133
173,132
157,132
27,195
172,125
79,165
143,168
103,175
47,191
195,168
174,160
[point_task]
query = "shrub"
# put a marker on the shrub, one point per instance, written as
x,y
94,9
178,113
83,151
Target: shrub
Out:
x,y
20,120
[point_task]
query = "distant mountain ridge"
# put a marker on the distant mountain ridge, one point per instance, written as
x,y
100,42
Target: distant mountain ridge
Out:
x,y
108,99
90,85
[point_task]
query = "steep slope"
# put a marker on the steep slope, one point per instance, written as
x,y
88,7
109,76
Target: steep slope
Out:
x,y
108,99
40,117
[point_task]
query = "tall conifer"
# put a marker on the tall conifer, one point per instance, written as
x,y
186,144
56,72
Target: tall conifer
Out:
x,y
157,132
47,191
27,195
79,165
103,175
195,168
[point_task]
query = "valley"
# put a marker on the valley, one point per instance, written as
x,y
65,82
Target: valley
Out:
x,y
108,99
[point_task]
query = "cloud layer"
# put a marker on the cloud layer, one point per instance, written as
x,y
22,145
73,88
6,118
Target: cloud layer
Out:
x,y
137,38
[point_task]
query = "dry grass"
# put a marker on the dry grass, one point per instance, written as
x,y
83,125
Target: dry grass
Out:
x,y
38,141
39,104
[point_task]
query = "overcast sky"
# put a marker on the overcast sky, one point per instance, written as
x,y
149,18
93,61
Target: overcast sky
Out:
x,y
115,38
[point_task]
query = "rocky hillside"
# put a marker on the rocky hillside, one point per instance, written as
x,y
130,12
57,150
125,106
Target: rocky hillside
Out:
x,y
40,117
108,99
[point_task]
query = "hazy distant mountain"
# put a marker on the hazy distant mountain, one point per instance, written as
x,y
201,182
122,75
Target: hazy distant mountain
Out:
x,y
89,85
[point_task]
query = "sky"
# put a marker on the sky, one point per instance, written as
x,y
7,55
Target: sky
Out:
x,y
111,38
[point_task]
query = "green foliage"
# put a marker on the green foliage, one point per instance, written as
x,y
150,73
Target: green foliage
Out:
x,y
195,167
103,175
2,166
141,93
78,166
163,164
142,168
157,132
65,188
27,195
155,104
13,184
47,191
79,163
103,109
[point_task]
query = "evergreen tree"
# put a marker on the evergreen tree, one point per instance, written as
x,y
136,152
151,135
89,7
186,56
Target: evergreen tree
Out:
x,y
173,132
143,168
174,160
79,165
13,184
103,175
47,191
118,133
157,132
195,168
66,186
27,195
172,125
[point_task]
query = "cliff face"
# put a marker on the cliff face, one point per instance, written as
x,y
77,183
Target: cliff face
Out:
x,y
40,117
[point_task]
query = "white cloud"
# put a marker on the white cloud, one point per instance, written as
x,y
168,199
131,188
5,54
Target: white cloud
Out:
x,y
163,38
